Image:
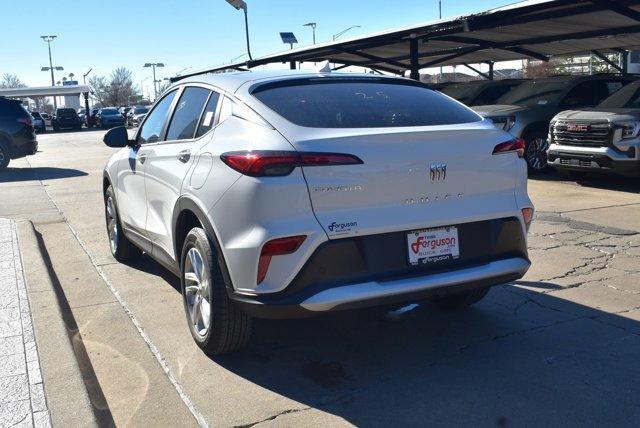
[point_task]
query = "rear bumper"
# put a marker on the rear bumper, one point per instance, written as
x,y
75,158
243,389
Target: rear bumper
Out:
x,y
605,160
376,293
25,148
373,270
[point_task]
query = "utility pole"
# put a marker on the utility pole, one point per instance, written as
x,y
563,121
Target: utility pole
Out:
x,y
49,39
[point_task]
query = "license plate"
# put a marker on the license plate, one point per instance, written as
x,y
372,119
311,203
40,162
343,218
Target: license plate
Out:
x,y
433,245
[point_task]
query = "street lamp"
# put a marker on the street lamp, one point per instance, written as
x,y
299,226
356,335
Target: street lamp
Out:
x,y
313,28
155,86
84,76
48,40
335,36
242,5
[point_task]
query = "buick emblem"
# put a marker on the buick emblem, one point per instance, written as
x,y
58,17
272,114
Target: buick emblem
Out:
x,y
577,127
438,171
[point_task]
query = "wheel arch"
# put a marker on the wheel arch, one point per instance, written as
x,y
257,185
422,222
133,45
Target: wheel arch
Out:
x,y
186,213
540,126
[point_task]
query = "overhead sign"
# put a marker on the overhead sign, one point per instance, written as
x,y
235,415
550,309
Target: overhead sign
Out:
x,y
70,83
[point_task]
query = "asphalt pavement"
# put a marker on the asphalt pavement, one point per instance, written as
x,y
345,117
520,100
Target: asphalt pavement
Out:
x,y
559,347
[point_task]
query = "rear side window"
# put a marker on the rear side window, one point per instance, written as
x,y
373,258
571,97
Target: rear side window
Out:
x,y
152,127
208,115
365,103
187,113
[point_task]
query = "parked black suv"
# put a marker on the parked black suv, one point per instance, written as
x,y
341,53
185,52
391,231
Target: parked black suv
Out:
x,y
480,92
17,134
66,118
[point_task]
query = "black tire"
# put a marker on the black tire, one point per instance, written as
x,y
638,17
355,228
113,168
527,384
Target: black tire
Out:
x,y
228,328
461,300
121,248
535,152
5,156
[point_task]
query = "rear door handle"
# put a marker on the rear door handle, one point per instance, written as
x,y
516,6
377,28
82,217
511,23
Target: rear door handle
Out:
x,y
184,156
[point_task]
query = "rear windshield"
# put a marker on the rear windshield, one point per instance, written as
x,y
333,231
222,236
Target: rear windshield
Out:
x,y
36,115
12,108
627,97
537,92
361,103
109,111
461,91
66,112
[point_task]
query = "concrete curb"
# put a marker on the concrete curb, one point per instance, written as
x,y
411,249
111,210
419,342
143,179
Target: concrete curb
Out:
x,y
65,389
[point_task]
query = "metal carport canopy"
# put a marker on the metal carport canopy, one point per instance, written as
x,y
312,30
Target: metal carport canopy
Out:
x,y
536,29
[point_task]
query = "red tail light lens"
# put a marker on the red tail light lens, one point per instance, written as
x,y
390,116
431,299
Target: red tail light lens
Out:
x,y
515,145
527,216
25,120
277,247
267,163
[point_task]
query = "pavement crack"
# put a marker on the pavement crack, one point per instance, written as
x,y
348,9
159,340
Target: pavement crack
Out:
x,y
273,417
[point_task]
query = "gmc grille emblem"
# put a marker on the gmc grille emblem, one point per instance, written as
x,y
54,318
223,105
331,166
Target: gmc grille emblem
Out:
x,y
438,171
576,127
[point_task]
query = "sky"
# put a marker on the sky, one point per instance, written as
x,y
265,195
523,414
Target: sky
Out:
x,y
102,35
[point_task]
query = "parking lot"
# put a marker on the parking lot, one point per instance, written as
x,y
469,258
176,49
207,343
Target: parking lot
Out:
x,y
559,346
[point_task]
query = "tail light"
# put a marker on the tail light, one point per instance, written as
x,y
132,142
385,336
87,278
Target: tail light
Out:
x,y
268,163
25,120
527,216
515,145
277,247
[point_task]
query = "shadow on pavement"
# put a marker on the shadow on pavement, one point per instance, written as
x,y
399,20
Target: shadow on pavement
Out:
x,y
38,173
517,358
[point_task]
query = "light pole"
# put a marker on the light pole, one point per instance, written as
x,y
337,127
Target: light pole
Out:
x,y
335,36
49,39
242,5
155,82
84,76
313,28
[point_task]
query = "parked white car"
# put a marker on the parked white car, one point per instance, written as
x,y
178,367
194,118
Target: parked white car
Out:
x,y
287,194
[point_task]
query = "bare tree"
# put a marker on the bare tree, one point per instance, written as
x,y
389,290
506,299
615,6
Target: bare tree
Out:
x,y
117,90
11,81
121,87
99,88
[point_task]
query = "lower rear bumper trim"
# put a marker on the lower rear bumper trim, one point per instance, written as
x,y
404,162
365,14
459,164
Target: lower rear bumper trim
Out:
x,y
375,293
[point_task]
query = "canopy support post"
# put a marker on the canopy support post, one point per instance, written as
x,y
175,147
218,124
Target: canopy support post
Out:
x,y
415,63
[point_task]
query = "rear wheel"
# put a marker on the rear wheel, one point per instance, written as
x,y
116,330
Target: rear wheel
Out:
x,y
4,155
121,248
535,152
217,325
461,300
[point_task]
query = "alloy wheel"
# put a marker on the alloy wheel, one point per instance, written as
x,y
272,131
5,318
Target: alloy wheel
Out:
x,y
1,155
536,153
112,225
197,292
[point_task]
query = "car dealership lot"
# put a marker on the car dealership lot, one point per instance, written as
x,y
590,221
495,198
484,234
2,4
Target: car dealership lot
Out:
x,y
561,346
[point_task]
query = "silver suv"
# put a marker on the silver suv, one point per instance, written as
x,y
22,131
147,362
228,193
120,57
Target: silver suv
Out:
x,y
604,139
527,110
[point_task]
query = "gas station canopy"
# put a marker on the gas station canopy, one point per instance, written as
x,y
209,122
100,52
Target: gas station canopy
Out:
x,y
45,91
534,29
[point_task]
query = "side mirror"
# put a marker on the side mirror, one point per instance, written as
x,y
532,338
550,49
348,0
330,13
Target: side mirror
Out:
x,y
118,137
